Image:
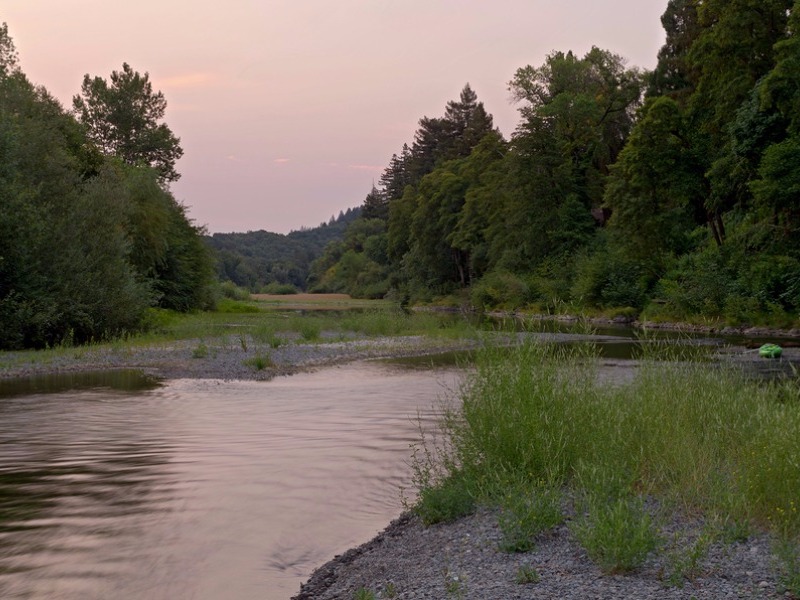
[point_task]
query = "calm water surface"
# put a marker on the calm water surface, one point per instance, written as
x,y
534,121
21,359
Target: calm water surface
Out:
x,y
202,489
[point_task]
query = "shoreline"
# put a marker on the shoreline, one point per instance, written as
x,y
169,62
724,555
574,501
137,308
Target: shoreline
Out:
x,y
462,559
184,360
406,559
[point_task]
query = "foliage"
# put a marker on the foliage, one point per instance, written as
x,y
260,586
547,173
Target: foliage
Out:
x,y
499,290
257,259
681,434
122,118
618,535
87,241
526,512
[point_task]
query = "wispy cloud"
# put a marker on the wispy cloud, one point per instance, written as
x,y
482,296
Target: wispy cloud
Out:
x,y
280,161
188,80
366,167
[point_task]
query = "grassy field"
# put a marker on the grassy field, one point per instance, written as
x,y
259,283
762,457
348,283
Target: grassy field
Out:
x,y
536,434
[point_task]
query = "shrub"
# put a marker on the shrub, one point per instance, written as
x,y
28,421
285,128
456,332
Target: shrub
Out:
x,y
526,512
230,290
499,290
280,289
618,535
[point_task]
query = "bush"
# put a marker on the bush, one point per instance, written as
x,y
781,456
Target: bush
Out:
x,y
228,289
608,278
618,535
279,289
499,290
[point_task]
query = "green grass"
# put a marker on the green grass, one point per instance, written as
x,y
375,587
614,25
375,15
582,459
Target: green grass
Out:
x,y
617,534
692,436
256,326
260,362
525,513
527,575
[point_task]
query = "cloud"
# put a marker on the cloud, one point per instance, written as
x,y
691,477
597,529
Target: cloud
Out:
x,y
188,80
366,167
280,161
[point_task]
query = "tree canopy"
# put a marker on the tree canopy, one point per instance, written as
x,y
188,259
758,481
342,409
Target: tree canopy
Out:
x,y
671,192
122,118
88,242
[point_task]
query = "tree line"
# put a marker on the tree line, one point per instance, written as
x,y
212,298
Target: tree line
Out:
x,y
675,191
262,261
90,235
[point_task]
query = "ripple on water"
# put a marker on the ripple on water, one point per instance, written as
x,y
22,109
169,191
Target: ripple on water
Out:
x,y
202,489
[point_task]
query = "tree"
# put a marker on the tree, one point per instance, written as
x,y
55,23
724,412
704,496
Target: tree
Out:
x,y
122,119
8,53
673,75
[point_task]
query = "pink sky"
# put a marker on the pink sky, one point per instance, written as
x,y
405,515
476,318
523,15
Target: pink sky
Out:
x,y
288,110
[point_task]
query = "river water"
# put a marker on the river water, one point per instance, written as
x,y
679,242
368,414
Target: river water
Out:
x,y
202,489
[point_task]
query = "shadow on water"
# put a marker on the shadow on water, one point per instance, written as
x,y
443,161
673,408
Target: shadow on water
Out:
x,y
123,380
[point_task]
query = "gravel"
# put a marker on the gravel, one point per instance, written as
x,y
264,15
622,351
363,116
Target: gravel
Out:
x,y
462,560
218,360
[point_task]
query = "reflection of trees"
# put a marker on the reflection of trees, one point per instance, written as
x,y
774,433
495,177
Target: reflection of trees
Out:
x,y
76,469
128,380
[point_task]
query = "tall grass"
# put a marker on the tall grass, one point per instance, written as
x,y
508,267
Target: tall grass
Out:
x,y
695,436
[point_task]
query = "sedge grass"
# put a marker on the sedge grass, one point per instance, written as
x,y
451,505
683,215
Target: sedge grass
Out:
x,y
694,436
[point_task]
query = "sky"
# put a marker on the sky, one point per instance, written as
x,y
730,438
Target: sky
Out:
x,y
289,110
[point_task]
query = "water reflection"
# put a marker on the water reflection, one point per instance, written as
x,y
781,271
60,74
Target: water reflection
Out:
x,y
203,489
126,380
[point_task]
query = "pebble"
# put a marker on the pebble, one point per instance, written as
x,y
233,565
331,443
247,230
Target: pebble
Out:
x,y
428,563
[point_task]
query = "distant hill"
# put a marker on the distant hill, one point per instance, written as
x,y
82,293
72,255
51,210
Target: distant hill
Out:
x,y
258,258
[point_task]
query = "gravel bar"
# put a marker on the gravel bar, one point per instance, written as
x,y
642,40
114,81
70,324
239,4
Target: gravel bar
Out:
x,y
462,560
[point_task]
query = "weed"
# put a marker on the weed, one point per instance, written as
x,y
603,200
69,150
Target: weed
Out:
x,y
526,574
390,590
310,330
364,594
685,561
200,351
788,555
260,362
243,341
525,513
455,585
617,534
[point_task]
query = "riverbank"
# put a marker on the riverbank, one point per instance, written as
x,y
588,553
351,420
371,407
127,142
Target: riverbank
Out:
x,y
218,359
463,560
458,560
697,449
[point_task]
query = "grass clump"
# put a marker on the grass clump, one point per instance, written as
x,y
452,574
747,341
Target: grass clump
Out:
x,y
260,362
200,351
690,436
788,554
617,534
685,560
525,514
527,575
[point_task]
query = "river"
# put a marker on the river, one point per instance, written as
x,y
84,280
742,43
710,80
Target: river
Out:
x,y
202,489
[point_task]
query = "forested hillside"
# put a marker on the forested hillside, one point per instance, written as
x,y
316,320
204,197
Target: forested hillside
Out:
x,y
675,192
257,260
90,235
